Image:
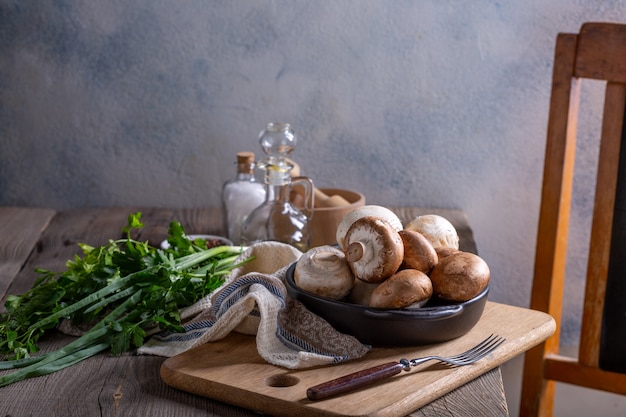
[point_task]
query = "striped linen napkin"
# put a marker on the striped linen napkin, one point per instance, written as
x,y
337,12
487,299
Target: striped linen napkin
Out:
x,y
254,300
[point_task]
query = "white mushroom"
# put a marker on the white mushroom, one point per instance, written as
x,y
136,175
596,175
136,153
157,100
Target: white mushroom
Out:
x,y
324,271
437,229
406,288
369,210
374,249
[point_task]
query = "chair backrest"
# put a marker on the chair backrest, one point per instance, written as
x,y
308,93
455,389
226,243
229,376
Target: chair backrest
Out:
x,y
598,52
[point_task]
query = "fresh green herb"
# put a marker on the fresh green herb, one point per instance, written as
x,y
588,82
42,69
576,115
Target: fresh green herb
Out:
x,y
119,291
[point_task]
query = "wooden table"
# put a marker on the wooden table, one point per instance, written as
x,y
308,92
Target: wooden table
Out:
x,y
129,384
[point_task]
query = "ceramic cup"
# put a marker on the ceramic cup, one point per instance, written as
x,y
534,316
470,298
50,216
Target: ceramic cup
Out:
x,y
326,219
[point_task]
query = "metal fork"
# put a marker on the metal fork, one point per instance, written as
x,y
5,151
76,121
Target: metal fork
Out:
x,y
468,357
368,376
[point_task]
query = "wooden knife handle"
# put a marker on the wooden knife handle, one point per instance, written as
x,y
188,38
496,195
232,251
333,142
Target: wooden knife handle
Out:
x,y
354,380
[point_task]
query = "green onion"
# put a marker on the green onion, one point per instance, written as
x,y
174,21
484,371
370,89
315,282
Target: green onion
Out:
x,y
126,287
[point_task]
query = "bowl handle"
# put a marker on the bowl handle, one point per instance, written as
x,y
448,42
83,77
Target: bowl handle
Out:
x,y
416,313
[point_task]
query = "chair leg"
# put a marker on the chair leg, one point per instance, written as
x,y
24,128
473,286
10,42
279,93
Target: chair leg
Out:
x,y
537,392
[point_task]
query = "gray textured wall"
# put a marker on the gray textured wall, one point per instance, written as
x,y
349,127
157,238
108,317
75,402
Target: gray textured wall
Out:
x,y
430,102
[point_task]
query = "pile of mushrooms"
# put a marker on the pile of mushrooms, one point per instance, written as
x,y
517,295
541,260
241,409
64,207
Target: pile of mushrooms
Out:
x,y
379,263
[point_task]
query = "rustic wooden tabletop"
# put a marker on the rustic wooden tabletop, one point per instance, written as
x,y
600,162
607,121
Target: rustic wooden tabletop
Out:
x,y
130,384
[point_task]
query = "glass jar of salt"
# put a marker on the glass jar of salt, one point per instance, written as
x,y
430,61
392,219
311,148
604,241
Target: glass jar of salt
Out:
x,y
241,195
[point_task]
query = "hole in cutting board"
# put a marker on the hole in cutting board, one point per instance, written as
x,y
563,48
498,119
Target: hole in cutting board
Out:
x,y
282,381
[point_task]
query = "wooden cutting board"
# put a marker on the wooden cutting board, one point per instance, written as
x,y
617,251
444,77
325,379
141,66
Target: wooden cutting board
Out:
x,y
231,370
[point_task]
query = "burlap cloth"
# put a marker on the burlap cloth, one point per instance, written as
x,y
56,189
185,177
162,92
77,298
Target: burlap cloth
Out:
x,y
254,300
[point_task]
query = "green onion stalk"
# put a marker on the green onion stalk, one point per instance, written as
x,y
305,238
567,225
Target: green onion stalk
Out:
x,y
120,292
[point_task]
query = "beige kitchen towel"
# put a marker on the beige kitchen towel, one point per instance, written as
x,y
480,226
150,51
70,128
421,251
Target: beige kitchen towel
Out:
x,y
254,300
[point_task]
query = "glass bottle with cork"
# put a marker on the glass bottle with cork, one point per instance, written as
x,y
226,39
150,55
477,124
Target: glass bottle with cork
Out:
x,y
240,196
277,218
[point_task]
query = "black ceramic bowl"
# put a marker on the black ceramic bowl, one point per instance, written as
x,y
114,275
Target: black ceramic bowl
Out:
x,y
437,321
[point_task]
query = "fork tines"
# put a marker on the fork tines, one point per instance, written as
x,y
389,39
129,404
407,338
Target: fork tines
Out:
x,y
480,350
470,356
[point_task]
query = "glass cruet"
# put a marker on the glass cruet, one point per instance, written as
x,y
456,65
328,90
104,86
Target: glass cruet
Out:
x,y
277,218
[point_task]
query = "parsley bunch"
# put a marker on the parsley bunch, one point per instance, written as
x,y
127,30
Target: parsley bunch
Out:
x,y
119,291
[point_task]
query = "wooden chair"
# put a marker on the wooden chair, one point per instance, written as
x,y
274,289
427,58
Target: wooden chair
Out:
x,y
598,52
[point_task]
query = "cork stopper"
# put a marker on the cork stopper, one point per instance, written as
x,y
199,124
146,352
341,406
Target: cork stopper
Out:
x,y
245,162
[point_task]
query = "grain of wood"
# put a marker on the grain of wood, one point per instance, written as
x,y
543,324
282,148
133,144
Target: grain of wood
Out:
x,y
20,229
131,385
231,370
473,400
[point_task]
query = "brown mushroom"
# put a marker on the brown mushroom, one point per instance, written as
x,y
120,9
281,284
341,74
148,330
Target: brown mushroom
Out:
x,y
323,270
361,293
460,276
419,253
373,248
442,252
405,288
